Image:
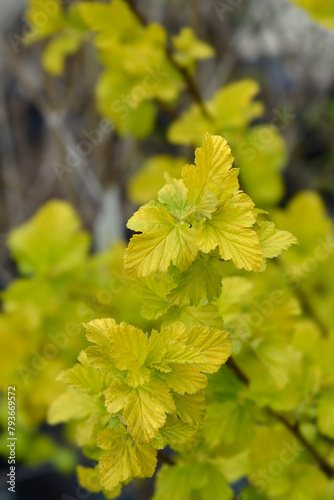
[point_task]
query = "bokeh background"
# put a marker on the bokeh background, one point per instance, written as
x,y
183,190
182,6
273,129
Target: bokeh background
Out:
x,y
42,118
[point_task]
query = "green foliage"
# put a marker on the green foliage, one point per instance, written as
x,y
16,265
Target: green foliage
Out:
x,y
152,388
266,415
56,21
198,214
155,168
142,71
131,55
259,150
193,480
139,392
309,266
60,285
231,110
188,49
67,29
50,243
137,68
261,160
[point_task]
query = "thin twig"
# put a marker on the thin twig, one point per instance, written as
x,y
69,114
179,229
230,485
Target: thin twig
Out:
x,y
164,458
304,302
191,85
325,466
293,428
137,13
232,364
307,308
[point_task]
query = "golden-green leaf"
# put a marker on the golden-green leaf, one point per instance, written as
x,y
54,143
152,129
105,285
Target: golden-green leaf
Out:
x,y
145,407
51,242
214,346
230,230
188,49
84,378
73,405
174,433
274,241
231,110
184,378
200,282
190,407
129,349
173,196
212,170
126,460
152,292
165,240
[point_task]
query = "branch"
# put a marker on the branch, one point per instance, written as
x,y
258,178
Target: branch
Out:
x,y
305,303
191,85
136,12
307,308
164,458
293,428
232,364
325,466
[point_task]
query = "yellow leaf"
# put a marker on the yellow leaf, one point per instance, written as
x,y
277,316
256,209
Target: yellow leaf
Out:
x,y
117,396
211,176
188,48
98,329
166,241
231,110
129,349
214,346
84,378
51,242
126,460
206,315
173,196
261,157
100,17
73,405
186,41
56,51
152,292
190,407
52,23
200,282
145,412
235,289
145,407
174,433
151,218
184,378
89,479
229,229
274,241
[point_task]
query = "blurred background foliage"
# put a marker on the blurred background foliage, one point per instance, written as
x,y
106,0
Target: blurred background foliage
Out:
x,y
97,106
